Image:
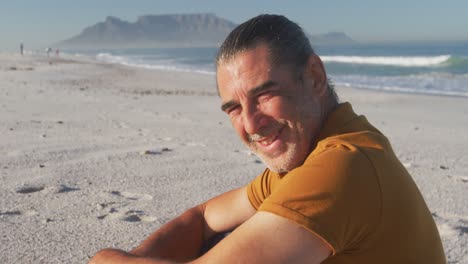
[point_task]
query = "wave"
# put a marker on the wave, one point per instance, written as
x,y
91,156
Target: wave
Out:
x,y
160,64
401,61
434,83
404,89
107,57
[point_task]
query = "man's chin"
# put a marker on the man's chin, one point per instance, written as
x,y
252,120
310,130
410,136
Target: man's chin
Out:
x,y
278,162
274,165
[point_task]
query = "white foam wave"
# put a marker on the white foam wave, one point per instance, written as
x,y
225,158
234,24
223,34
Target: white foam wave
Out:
x,y
405,90
403,61
165,64
428,83
107,57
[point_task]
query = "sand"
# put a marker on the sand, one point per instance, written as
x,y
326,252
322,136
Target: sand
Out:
x,y
99,155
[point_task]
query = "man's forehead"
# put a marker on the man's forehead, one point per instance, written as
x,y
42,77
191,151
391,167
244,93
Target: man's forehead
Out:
x,y
244,69
248,58
242,75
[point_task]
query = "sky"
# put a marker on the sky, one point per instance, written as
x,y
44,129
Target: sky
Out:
x,y
38,23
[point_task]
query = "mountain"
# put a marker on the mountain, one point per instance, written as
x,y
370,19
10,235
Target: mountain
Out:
x,y
193,30
180,30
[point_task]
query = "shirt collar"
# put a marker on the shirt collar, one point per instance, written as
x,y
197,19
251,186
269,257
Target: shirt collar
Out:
x,y
337,121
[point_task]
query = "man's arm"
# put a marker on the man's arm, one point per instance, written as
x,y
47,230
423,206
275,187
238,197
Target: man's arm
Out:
x,y
259,238
269,238
182,238
264,238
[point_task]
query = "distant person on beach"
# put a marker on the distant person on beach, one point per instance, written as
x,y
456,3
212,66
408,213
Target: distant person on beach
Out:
x,y
333,190
21,48
57,52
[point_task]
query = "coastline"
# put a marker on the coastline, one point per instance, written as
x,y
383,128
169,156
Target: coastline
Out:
x,y
97,155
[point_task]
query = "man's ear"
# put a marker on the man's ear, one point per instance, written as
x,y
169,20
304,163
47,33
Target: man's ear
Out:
x,y
316,72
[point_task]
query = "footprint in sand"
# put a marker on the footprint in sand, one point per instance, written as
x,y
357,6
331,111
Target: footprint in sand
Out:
x,y
155,152
449,230
12,213
451,225
62,189
29,189
462,229
9,213
127,216
25,189
136,216
132,196
118,211
446,230
463,178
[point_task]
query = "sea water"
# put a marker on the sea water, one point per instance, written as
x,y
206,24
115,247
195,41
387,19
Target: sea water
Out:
x,y
414,68
427,68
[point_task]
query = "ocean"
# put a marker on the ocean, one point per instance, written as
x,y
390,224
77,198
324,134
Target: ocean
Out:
x,y
429,68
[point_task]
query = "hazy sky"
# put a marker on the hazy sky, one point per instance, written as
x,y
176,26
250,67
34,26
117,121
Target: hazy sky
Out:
x,y
40,22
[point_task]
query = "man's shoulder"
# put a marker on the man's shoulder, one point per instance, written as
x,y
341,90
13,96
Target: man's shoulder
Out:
x,y
337,160
351,144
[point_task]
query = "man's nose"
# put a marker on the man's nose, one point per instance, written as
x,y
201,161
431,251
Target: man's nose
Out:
x,y
253,119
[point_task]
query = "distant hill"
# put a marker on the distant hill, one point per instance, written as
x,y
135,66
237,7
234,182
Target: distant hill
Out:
x,y
154,31
183,30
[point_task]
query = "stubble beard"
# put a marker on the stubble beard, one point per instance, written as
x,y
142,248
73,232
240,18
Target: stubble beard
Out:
x,y
298,140
286,158
280,164
296,147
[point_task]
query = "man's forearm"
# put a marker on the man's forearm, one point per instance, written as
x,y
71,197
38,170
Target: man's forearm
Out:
x,y
115,256
179,240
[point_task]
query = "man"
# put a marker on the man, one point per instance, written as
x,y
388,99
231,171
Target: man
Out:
x,y
333,192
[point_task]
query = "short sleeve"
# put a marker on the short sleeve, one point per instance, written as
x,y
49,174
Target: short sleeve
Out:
x,y
260,188
335,195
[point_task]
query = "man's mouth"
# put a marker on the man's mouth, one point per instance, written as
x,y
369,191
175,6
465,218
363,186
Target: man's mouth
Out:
x,y
266,141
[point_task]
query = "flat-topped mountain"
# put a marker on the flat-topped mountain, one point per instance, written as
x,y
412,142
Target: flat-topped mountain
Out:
x,y
183,30
154,31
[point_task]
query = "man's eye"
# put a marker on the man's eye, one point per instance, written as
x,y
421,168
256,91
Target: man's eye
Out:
x,y
233,111
265,96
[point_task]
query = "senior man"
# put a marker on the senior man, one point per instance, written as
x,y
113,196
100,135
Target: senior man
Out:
x,y
333,192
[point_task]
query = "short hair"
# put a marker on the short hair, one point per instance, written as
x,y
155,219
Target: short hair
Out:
x,y
285,40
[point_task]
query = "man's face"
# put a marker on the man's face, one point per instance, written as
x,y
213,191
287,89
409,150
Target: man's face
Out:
x,y
274,112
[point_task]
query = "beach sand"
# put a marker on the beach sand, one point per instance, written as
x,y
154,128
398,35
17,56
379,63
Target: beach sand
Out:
x,y
98,155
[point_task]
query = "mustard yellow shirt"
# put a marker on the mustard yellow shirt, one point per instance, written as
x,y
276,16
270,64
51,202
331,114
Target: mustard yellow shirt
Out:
x,y
353,192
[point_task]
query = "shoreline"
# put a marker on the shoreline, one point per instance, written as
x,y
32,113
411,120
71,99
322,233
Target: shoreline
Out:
x,y
97,155
119,60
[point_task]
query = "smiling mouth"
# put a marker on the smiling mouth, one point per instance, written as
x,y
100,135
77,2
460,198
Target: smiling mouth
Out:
x,y
266,141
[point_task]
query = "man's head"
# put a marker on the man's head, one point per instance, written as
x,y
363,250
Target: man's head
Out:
x,y
286,41
274,88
